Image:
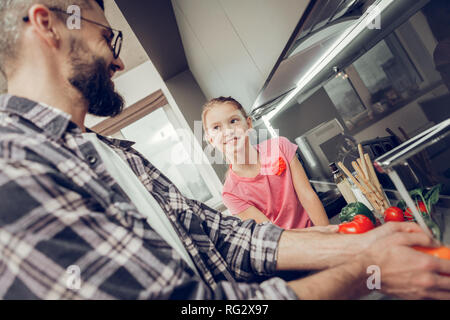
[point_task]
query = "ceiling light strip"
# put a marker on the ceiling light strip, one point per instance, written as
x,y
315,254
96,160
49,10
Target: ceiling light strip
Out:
x,y
348,36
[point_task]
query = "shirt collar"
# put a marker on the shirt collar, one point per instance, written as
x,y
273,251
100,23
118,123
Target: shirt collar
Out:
x,y
125,144
52,121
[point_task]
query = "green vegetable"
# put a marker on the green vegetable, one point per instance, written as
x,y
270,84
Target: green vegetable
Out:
x,y
352,209
432,196
429,198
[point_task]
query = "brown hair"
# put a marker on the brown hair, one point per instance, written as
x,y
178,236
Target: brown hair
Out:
x,y
220,100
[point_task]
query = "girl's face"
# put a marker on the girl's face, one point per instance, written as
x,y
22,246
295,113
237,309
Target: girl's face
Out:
x,y
226,129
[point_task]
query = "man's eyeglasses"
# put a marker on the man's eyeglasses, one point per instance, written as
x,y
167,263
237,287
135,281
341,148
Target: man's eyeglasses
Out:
x,y
115,39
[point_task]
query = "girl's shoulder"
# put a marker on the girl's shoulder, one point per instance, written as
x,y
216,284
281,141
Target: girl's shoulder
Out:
x,y
280,143
230,184
272,149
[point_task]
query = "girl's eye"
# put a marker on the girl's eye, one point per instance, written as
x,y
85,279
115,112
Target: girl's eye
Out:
x,y
234,120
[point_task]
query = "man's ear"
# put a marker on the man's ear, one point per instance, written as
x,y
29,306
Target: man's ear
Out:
x,y
44,24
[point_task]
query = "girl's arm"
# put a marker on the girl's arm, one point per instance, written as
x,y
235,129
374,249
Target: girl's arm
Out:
x,y
306,194
254,214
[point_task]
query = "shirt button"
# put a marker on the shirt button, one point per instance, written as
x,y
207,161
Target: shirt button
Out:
x,y
91,159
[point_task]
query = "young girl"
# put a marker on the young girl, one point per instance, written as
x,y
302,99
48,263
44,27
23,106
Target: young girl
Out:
x,y
265,182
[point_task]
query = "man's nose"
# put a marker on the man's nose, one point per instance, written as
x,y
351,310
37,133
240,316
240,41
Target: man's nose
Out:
x,y
118,65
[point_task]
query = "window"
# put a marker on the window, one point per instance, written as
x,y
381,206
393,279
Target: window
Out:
x,y
157,139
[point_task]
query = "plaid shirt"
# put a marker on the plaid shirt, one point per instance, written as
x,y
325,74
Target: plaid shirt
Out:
x,y
68,231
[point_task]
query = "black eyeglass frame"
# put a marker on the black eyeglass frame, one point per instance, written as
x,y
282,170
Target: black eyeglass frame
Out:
x,y
115,48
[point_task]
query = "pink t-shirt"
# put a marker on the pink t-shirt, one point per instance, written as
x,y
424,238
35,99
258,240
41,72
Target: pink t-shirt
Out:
x,y
272,194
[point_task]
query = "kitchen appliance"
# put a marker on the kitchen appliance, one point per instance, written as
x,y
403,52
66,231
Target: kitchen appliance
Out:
x,y
318,148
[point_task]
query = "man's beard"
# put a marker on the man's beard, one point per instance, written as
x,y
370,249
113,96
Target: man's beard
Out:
x,y
94,82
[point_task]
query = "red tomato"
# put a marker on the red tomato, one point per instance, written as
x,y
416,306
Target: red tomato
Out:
x,y
350,227
408,215
421,207
393,214
365,223
359,224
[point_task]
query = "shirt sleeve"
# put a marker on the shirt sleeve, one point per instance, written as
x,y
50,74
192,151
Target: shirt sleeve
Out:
x,y
235,204
249,248
287,148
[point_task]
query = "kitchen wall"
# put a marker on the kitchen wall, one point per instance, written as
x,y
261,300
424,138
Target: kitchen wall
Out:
x,y
232,45
188,95
303,117
2,84
186,90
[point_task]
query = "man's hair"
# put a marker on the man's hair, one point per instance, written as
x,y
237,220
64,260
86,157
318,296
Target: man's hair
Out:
x,y
11,23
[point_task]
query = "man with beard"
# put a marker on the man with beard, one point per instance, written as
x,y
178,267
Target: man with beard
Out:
x,y
83,216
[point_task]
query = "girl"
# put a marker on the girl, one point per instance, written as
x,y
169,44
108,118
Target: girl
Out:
x,y
265,182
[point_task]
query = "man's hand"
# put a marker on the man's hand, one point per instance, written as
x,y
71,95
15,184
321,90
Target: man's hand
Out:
x,y
407,273
389,229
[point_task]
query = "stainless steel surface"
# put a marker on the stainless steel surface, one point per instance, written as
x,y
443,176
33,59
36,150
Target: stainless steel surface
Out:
x,y
312,164
413,146
315,159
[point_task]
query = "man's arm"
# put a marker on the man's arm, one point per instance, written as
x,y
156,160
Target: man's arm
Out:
x,y
306,194
346,281
403,272
319,250
262,249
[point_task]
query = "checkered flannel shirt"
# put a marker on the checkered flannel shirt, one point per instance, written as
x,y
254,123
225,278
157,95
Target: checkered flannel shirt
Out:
x,y
68,231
